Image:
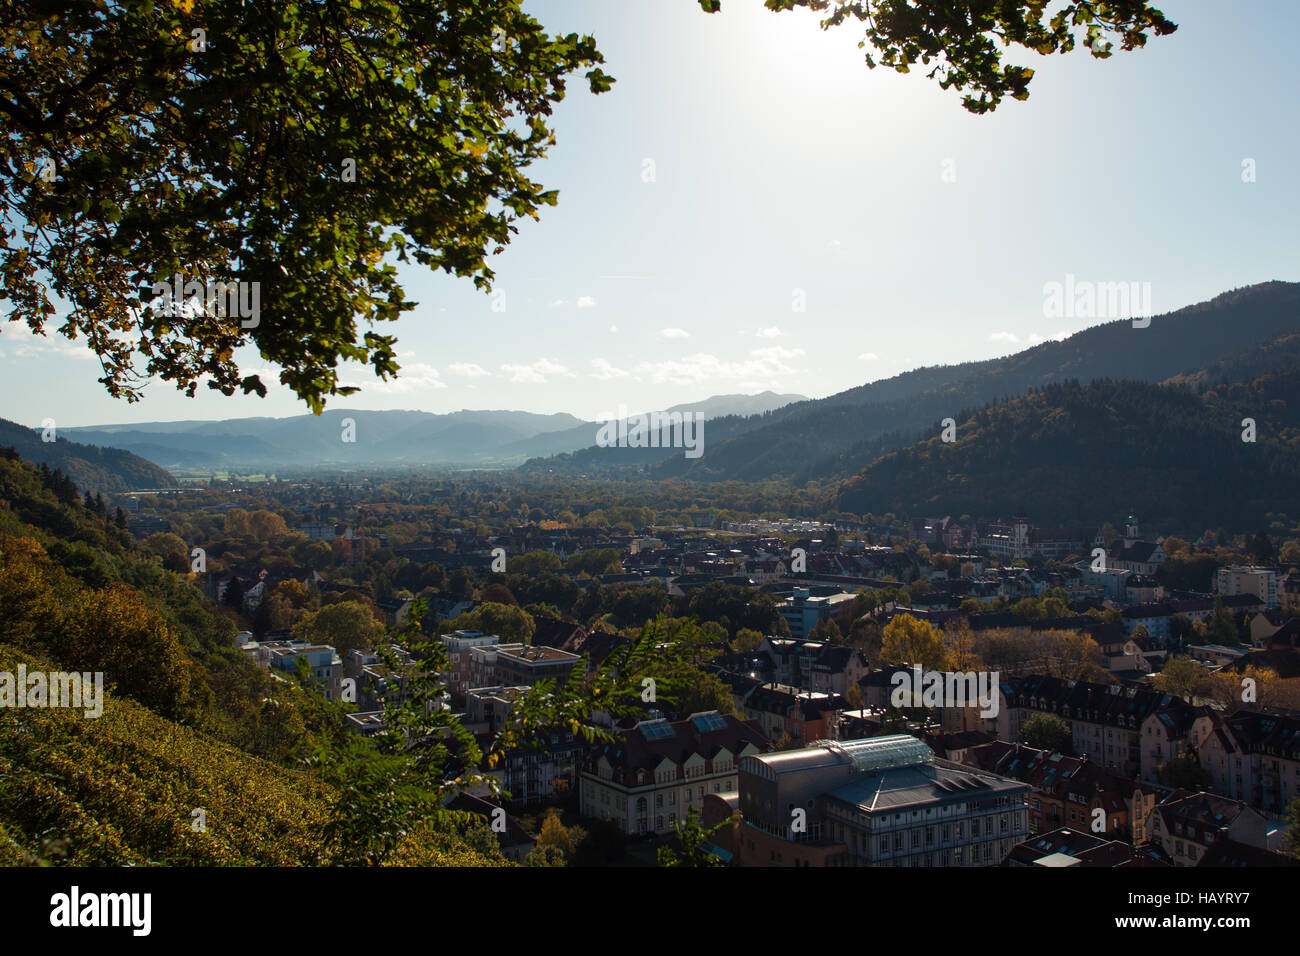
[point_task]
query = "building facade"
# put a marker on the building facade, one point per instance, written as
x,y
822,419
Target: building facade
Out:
x,y
884,801
657,771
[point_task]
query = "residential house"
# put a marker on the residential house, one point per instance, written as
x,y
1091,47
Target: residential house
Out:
x,y
1186,825
1106,720
1254,757
784,711
648,779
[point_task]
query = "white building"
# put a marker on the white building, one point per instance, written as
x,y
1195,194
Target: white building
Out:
x,y
1257,582
659,769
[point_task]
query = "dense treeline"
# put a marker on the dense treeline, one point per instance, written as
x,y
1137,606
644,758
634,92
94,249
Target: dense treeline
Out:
x,y
75,587
838,435
1072,453
89,466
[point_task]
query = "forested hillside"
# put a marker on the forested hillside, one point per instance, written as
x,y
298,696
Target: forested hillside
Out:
x,y
843,433
90,466
190,721
1075,454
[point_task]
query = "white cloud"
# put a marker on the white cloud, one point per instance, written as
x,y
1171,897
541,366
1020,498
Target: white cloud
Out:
x,y
44,347
535,372
770,333
556,303
586,301
1032,339
613,328
759,370
675,333
604,371
868,356
775,353
413,377
467,369
1037,339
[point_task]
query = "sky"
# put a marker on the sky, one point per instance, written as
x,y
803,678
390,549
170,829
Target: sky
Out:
x,y
750,208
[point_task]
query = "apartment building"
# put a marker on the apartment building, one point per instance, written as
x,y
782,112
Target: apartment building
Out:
x,y
325,664
814,665
374,682
1066,848
1070,792
519,664
885,801
803,610
1106,721
532,774
1186,825
1254,757
655,772
784,711
1257,582
459,644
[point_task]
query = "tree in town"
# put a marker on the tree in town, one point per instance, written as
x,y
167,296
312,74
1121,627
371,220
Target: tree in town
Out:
x,y
692,843
555,833
708,692
345,626
1293,827
1182,677
1047,732
1184,771
907,640
508,621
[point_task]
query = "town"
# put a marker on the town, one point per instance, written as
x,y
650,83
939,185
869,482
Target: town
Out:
x,y
1145,708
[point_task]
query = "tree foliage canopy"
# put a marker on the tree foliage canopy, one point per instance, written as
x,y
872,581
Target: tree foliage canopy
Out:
x,y
962,38
299,149
303,145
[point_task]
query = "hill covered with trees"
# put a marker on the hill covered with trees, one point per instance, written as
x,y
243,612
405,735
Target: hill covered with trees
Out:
x,y
189,722
90,466
1070,453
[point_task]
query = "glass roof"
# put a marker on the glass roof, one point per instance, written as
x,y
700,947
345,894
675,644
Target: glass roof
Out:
x,y
655,729
876,753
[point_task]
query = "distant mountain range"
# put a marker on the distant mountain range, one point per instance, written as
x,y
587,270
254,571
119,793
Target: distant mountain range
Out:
x,y
92,468
1246,336
838,436
380,438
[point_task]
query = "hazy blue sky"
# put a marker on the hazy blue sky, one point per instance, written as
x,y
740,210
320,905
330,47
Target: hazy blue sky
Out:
x,y
782,163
